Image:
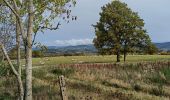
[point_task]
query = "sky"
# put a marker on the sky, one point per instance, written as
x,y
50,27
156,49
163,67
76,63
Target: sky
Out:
x,y
155,13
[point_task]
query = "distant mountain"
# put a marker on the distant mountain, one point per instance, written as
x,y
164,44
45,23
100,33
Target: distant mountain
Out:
x,y
72,49
88,49
55,47
163,46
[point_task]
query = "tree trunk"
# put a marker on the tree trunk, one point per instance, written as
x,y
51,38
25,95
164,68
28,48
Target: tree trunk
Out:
x,y
14,71
21,92
118,56
3,58
125,54
18,48
28,81
125,51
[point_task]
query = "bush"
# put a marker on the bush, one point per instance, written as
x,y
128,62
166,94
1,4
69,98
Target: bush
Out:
x,y
37,53
164,53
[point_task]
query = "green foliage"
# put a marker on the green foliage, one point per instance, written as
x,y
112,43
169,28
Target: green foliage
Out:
x,y
40,52
6,96
166,72
157,79
164,53
41,47
4,69
7,28
46,14
65,72
13,53
151,49
40,73
55,9
37,53
120,29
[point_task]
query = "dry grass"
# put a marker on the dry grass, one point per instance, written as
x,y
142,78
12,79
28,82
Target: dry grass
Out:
x,y
97,81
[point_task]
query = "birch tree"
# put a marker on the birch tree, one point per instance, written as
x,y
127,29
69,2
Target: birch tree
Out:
x,y
7,35
33,16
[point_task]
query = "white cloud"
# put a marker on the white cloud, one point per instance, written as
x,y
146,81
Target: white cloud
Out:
x,y
73,42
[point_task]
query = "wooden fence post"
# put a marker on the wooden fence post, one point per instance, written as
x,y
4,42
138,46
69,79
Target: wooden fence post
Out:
x,y
63,88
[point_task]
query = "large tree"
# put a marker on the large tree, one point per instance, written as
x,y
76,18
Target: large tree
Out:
x,y
33,16
119,30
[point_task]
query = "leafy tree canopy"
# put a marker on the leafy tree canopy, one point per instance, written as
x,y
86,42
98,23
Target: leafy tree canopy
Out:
x,y
46,13
120,29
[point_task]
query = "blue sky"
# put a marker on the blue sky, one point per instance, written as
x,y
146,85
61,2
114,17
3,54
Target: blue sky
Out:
x,y
155,13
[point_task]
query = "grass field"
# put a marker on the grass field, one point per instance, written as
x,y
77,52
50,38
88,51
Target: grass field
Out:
x,y
96,59
143,77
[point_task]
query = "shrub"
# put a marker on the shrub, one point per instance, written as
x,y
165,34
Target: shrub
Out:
x,y
37,53
164,53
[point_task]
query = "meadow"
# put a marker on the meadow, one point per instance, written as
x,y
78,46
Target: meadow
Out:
x,y
96,59
142,77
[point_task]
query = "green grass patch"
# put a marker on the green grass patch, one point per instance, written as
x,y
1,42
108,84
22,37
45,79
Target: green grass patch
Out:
x,y
96,59
166,72
65,72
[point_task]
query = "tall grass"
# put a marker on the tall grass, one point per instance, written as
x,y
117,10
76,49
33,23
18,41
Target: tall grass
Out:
x,y
97,81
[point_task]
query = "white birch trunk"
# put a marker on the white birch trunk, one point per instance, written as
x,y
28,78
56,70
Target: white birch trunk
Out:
x,y
28,88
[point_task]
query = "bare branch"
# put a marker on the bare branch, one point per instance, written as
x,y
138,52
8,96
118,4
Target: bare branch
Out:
x,y
15,10
35,34
44,27
20,1
15,6
50,28
19,21
12,9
